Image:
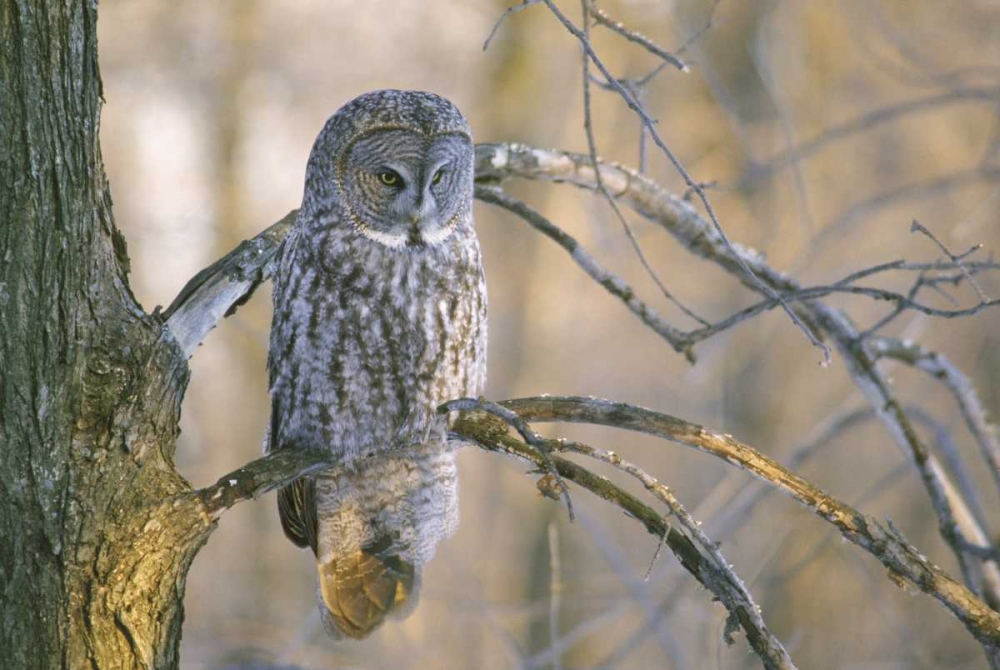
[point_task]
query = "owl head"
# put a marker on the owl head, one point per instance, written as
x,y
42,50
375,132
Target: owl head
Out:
x,y
395,167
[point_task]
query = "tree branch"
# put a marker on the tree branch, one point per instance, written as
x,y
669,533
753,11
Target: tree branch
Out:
x,y
650,124
939,367
218,290
902,559
703,239
258,477
711,571
614,284
887,545
601,18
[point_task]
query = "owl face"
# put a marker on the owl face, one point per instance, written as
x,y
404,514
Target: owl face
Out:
x,y
404,187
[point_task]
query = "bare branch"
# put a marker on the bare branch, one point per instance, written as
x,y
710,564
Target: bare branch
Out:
x,y
650,123
956,522
601,18
469,428
952,458
731,513
218,290
615,285
902,559
916,226
942,369
503,17
901,303
256,478
592,148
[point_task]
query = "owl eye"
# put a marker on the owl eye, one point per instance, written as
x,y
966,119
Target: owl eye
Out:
x,y
437,176
390,178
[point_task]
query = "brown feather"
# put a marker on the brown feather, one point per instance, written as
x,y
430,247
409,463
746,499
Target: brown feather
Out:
x,y
297,510
361,589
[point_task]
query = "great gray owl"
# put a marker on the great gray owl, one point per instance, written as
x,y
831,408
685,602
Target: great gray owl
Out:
x,y
379,317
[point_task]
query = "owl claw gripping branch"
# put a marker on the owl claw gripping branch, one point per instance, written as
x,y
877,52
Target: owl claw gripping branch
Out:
x,y
379,317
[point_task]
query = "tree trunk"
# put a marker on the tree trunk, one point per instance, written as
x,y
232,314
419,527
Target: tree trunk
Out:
x,y
97,536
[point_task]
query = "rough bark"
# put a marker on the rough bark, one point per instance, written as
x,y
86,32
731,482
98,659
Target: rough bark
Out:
x,y
94,551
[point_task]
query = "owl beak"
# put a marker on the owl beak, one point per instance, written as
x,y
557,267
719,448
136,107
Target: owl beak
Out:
x,y
422,217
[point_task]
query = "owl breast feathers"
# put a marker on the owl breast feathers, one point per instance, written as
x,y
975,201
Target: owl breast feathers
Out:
x,y
379,317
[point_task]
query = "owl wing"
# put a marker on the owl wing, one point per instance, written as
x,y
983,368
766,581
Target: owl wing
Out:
x,y
297,509
296,501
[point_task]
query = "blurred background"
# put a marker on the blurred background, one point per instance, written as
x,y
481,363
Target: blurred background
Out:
x,y
211,111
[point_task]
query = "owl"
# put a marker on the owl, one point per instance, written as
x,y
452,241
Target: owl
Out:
x,y
379,317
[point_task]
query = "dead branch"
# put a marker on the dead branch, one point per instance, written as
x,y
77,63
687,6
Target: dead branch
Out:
x,y
887,545
960,386
218,290
904,562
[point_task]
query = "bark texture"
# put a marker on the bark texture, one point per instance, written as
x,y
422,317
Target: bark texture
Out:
x,y
96,536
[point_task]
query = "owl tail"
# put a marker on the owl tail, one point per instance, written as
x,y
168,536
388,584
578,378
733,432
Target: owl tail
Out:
x,y
362,588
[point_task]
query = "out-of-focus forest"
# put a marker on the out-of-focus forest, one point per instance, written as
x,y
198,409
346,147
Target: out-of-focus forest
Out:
x,y
211,111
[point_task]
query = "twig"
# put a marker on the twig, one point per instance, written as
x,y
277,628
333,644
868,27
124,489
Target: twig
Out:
x,y
615,285
527,434
688,179
901,302
592,148
601,18
916,226
503,17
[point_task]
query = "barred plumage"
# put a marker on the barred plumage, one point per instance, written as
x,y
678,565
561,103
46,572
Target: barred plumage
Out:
x,y
379,317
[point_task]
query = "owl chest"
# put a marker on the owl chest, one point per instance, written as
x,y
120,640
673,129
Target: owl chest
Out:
x,y
375,355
